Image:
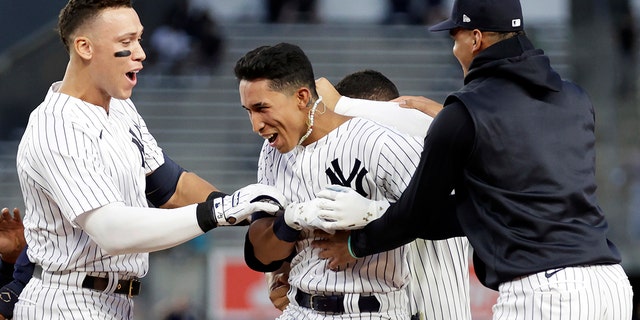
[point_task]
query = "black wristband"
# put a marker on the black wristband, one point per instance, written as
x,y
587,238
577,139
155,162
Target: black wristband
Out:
x,y
204,212
205,217
216,194
283,231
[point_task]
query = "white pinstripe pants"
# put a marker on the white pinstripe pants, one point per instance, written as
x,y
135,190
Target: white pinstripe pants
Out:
x,y
598,292
41,300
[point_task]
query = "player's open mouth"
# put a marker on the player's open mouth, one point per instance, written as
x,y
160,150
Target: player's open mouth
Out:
x,y
272,138
132,75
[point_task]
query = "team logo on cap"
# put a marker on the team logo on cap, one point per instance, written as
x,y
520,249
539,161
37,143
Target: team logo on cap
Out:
x,y
515,23
465,18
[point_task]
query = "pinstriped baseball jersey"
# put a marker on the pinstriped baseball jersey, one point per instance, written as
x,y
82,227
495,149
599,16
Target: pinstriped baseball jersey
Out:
x,y
439,287
74,157
373,160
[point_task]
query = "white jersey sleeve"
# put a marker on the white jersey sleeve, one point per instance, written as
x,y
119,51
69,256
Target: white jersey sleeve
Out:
x,y
409,121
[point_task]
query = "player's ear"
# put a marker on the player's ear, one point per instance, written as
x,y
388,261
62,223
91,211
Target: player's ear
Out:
x,y
304,97
83,47
477,38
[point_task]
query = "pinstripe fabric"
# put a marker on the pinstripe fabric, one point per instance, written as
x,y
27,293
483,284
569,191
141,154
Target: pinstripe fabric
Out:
x,y
440,279
74,157
40,301
598,292
439,287
364,156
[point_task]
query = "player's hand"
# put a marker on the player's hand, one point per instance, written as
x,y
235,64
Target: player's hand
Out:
x,y
334,248
278,284
423,104
330,95
303,215
11,235
342,208
238,207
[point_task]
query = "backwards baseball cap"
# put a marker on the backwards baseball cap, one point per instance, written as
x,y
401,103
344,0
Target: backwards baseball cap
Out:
x,y
485,15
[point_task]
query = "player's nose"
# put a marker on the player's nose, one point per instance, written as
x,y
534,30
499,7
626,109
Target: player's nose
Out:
x,y
256,122
139,54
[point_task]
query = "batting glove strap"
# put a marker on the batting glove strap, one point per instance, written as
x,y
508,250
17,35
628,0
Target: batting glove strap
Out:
x,y
283,231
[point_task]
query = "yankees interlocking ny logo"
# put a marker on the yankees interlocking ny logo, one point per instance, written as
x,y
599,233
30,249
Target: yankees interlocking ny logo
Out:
x,y
356,173
136,140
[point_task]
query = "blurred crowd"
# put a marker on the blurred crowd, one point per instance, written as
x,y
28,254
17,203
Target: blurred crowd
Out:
x,y
189,40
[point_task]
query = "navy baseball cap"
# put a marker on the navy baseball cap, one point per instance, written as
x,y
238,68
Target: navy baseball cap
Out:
x,y
484,15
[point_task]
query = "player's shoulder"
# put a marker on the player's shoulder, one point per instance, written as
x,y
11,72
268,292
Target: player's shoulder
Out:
x,y
125,106
383,132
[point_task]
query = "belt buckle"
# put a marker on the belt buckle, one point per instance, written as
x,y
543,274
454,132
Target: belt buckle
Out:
x,y
311,301
132,283
130,288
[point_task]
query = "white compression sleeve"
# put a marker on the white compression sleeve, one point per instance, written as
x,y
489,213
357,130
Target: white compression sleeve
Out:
x,y
405,120
118,229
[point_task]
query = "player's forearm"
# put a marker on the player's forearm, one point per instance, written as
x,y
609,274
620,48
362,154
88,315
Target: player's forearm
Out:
x,y
118,229
425,208
409,121
267,247
189,190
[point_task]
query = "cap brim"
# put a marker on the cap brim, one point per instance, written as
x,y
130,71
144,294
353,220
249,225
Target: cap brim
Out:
x,y
444,25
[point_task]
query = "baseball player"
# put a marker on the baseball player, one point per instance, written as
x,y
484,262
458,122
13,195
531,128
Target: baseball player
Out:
x,y
439,287
86,165
307,147
517,143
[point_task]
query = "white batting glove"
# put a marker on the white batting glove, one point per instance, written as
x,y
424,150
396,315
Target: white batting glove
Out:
x,y
238,207
299,215
342,208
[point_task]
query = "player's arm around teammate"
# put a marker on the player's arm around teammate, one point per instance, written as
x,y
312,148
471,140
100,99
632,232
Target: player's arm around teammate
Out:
x,y
411,114
172,187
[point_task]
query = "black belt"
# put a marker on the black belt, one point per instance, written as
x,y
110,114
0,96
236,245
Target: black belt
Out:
x,y
334,304
129,287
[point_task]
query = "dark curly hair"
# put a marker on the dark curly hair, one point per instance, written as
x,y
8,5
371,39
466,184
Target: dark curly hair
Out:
x,y
78,12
